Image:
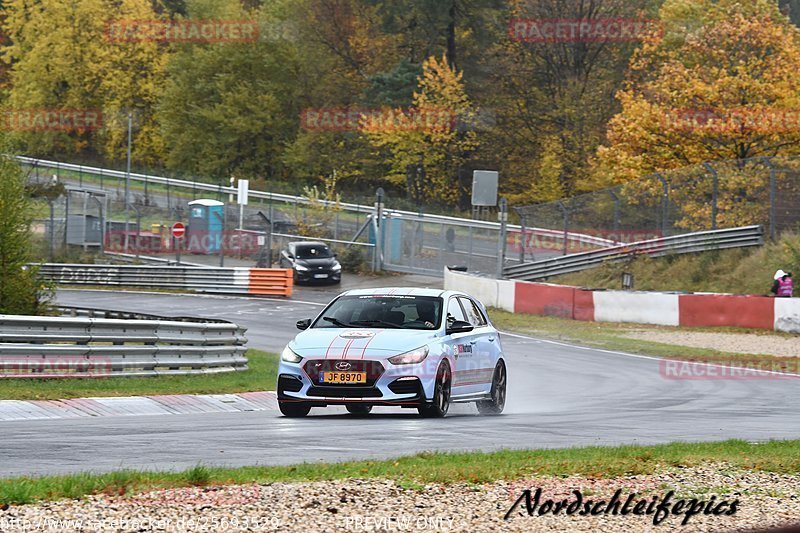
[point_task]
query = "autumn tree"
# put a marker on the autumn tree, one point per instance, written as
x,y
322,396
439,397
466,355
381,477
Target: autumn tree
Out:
x,y
63,57
428,133
229,108
719,83
553,98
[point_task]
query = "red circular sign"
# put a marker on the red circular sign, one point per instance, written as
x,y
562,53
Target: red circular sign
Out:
x,y
178,230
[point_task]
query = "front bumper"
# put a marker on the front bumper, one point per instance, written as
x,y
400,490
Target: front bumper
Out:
x,y
387,384
313,276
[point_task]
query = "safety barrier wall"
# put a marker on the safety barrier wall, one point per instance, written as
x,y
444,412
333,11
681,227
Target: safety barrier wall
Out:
x,y
658,308
492,292
254,281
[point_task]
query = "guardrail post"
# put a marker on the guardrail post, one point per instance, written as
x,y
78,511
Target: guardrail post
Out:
x,y
501,245
221,244
616,200
102,223
66,218
52,229
714,193
773,196
377,251
565,214
664,204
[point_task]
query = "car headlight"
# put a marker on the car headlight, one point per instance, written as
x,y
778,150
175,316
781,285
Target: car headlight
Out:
x,y
337,267
301,268
410,358
289,356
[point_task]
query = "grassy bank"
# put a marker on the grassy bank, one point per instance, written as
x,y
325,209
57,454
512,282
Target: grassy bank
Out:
x,y
260,376
611,336
740,271
445,468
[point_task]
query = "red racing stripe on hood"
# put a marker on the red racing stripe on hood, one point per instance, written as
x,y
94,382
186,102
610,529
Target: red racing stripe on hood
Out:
x,y
364,349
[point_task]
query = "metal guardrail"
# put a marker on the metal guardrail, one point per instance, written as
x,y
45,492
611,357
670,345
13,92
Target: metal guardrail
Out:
x,y
679,244
151,259
264,282
122,344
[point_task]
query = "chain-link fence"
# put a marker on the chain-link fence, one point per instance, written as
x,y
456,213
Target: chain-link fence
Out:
x,y
718,195
762,191
92,216
425,244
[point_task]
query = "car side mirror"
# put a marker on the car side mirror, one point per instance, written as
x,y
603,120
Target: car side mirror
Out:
x,y
290,256
303,325
459,326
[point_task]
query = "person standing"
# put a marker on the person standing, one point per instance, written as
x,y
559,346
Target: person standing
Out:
x,y
785,286
777,283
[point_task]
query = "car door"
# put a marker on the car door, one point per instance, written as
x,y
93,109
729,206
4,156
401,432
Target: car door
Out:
x,y
486,348
463,348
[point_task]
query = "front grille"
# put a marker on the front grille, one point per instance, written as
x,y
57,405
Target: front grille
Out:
x,y
345,392
374,370
405,386
289,384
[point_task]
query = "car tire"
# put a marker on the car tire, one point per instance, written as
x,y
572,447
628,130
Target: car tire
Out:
x,y
441,394
358,409
294,409
496,405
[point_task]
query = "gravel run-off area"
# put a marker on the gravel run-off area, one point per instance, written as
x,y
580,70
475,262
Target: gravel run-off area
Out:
x,y
763,500
744,343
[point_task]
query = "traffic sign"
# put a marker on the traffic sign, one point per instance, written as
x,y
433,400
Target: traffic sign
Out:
x,y
178,230
244,190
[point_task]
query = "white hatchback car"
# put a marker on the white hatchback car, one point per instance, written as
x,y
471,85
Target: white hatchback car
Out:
x,y
417,348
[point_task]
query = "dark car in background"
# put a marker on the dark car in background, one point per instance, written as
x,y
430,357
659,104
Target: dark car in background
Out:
x,y
311,261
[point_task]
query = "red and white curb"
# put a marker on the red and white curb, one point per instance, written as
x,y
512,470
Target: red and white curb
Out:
x,y
137,406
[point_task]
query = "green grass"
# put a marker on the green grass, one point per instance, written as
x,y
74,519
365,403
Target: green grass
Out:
x,y
417,470
611,336
739,271
261,376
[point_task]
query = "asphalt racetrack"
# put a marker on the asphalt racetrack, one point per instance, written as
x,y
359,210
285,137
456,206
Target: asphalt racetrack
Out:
x,y
559,396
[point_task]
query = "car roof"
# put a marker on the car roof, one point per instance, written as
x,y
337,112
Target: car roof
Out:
x,y
308,243
398,291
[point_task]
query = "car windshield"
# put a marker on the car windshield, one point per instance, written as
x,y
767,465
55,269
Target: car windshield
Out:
x,y
394,312
313,251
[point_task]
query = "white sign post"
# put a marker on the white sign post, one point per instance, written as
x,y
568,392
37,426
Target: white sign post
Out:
x,y
244,190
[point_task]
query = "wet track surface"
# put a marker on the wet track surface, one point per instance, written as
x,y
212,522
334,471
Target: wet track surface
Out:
x,y
559,396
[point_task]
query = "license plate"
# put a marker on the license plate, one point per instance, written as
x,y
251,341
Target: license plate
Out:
x,y
320,276
343,377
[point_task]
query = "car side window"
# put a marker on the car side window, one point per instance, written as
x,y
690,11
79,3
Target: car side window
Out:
x,y
454,311
474,314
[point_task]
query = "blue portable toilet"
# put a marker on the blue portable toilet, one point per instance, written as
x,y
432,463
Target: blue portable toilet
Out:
x,y
204,234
